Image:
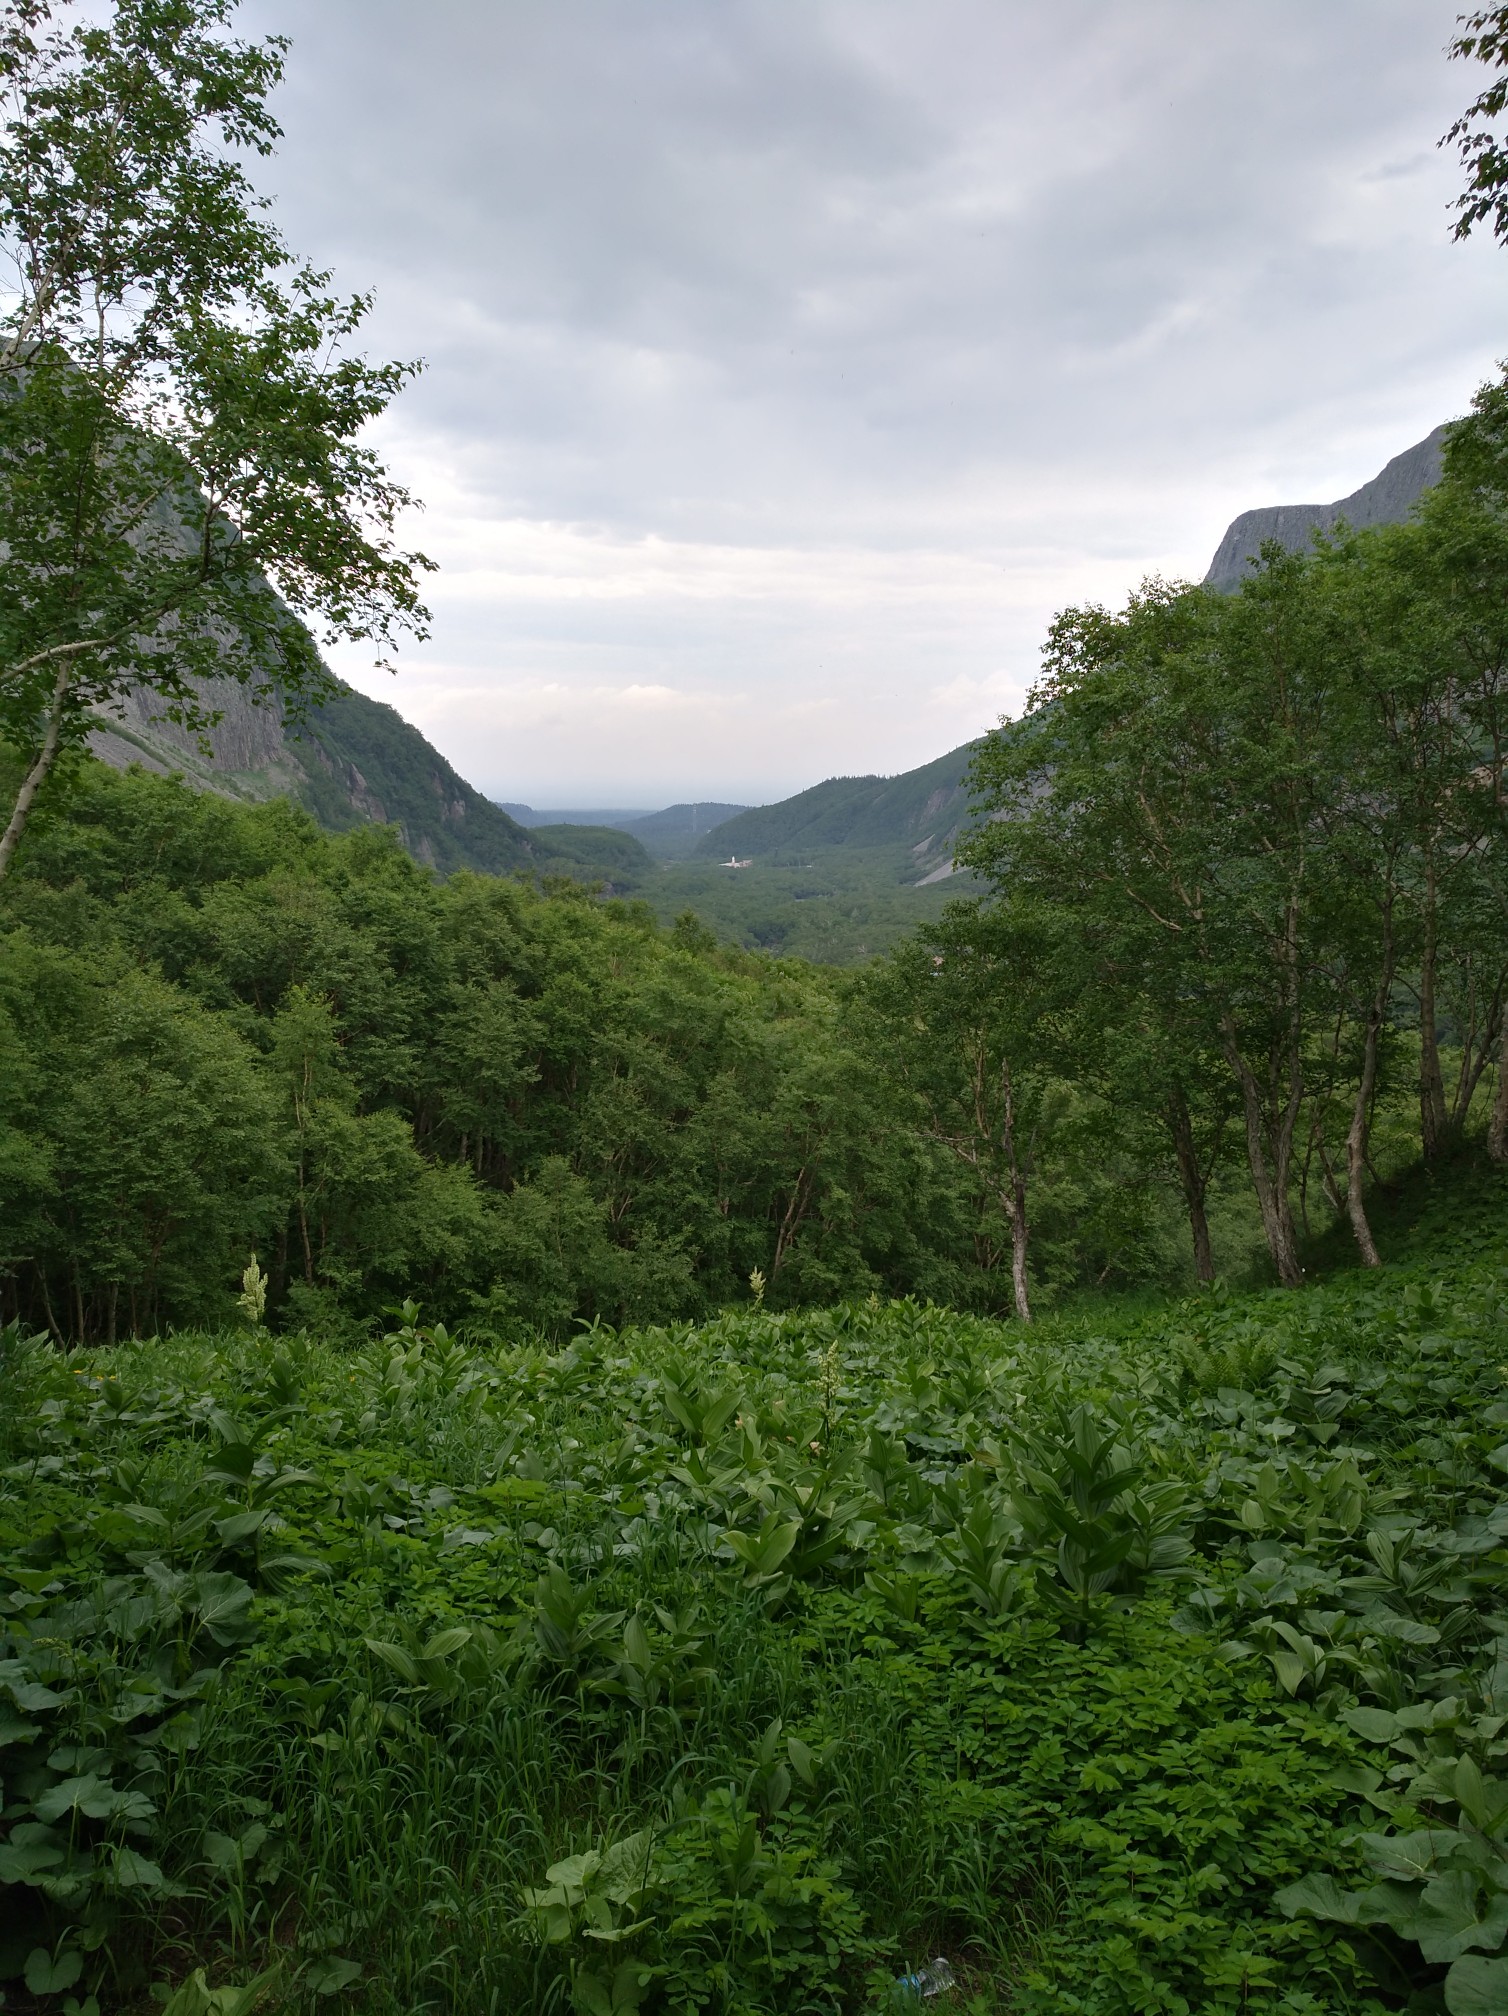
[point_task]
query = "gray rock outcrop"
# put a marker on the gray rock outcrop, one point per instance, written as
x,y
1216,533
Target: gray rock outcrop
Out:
x,y
1386,500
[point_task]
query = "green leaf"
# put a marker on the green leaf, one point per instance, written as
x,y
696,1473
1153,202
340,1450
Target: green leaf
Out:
x,y
46,1976
1477,1986
1409,1857
330,1974
444,1643
1375,1725
195,1997
1469,1792
135,1872
222,1602
394,1656
25,1862
576,1870
1447,1922
90,1794
1319,1897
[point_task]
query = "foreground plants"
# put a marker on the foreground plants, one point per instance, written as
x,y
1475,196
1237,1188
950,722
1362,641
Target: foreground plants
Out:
x,y
740,1668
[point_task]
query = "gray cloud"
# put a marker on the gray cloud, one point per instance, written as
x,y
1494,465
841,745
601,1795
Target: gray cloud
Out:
x,y
790,365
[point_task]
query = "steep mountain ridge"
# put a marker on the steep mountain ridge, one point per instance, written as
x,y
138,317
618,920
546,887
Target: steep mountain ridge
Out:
x,y
1386,500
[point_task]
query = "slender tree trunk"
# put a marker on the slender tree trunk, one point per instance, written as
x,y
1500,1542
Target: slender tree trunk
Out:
x,y
1361,1121
1270,1184
1475,1059
790,1224
37,775
1327,1181
1433,1126
303,1227
1497,1125
1014,1199
52,1321
1193,1181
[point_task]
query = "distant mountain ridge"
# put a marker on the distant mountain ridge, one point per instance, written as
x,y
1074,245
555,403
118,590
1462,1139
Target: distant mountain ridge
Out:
x,y
1386,500
922,808
670,834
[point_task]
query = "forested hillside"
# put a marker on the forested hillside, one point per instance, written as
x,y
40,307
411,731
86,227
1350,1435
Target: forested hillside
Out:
x,y
352,762
222,1029
921,809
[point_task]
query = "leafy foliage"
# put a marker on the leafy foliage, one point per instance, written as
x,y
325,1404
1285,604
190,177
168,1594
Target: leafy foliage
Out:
x,y
1136,1665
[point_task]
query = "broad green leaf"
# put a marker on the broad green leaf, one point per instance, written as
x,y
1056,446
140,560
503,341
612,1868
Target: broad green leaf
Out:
x,y
576,1870
445,1643
90,1794
1319,1897
25,1862
330,1974
1448,1921
1477,1986
222,1602
135,1872
1375,1725
1409,1857
395,1657
48,1976
636,1642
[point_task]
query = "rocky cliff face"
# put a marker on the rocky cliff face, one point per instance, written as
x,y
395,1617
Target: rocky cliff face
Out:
x,y
1386,500
352,762
355,761
247,755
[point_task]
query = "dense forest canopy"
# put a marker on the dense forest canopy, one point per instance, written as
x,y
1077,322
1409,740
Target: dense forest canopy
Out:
x,y
222,1030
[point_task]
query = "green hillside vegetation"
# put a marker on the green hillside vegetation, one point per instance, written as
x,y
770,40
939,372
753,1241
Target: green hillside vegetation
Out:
x,y
669,835
551,1463
222,1029
717,1483
674,834
922,809
836,874
355,762
441,820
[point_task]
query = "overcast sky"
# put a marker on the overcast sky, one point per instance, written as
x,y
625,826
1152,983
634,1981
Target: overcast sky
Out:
x,y
791,361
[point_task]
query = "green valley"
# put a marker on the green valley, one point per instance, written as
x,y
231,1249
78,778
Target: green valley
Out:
x,y
891,1400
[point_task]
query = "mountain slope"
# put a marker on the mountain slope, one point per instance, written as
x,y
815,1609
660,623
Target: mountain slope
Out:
x,y
922,809
670,835
354,761
1386,500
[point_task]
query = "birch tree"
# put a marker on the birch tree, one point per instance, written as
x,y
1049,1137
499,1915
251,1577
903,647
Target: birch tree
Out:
x,y
183,471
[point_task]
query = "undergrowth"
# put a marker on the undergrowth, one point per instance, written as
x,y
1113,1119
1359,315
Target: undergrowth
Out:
x,y
1151,1666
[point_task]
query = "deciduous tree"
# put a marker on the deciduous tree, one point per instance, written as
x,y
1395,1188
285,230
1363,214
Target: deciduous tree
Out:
x,y
183,472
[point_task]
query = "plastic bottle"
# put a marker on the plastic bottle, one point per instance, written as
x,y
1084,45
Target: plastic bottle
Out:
x,y
936,1978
